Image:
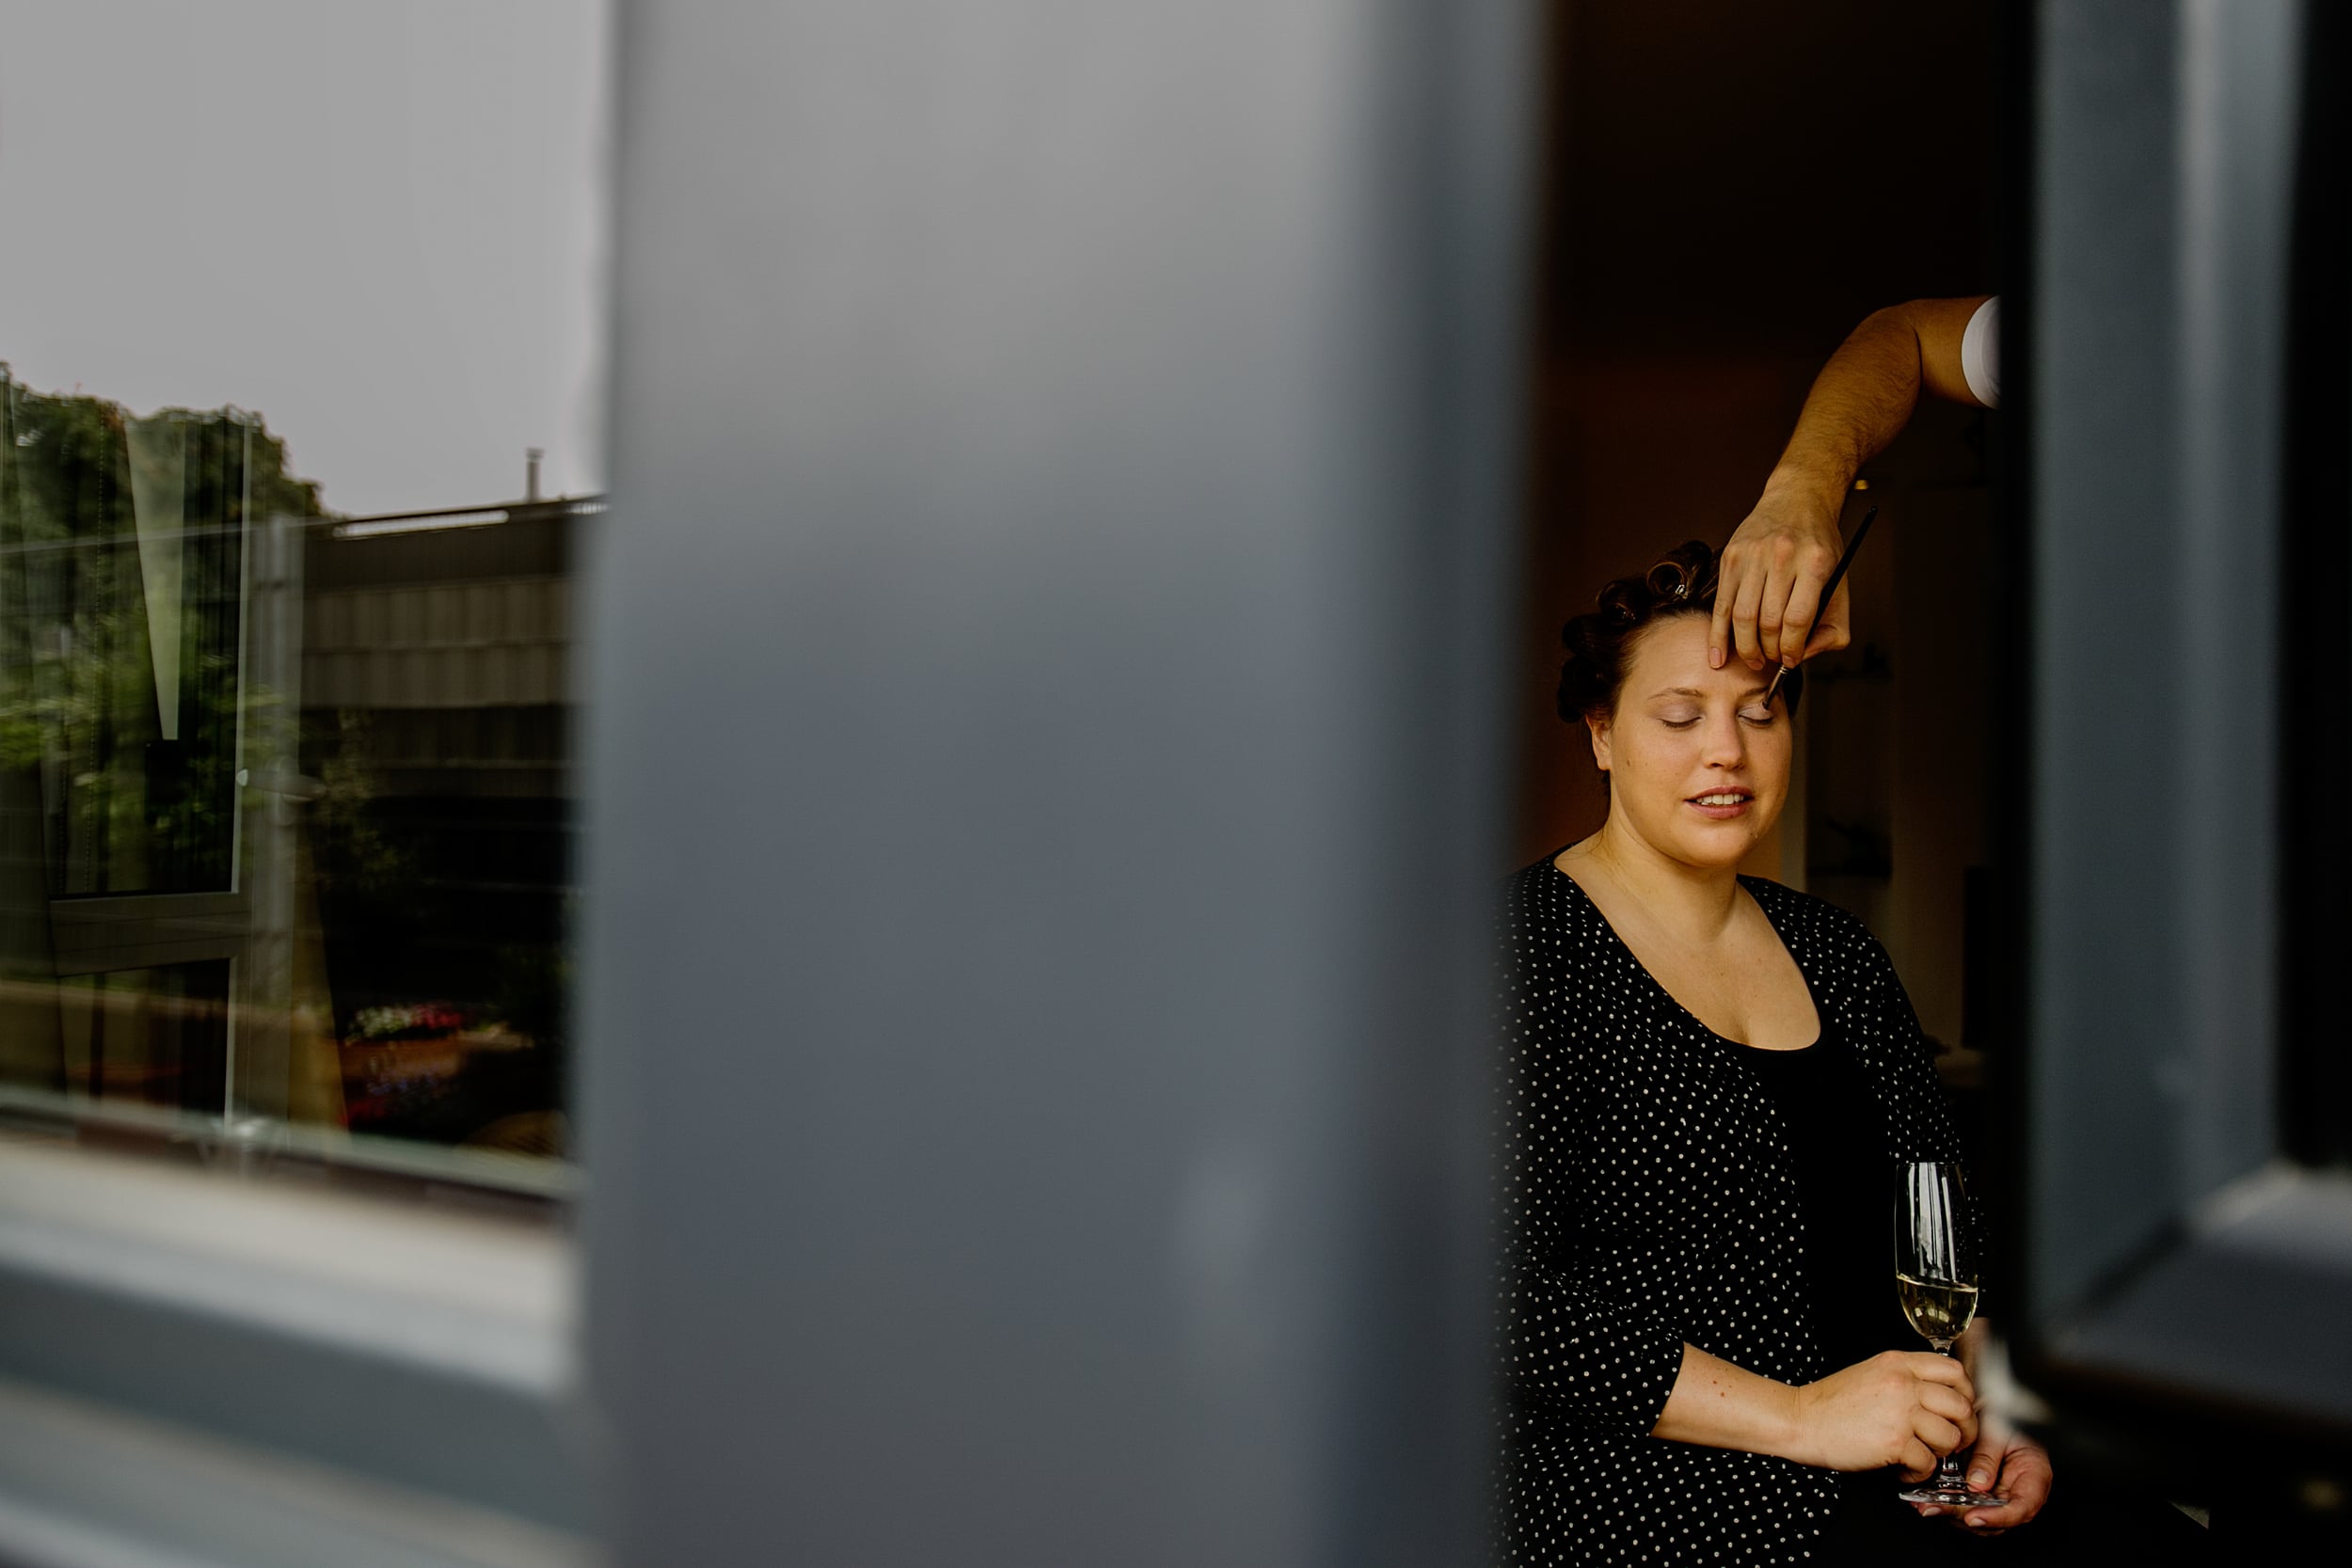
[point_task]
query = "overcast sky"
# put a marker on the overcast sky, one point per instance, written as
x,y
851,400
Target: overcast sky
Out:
x,y
382,226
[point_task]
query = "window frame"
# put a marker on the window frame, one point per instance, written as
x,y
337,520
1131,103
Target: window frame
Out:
x,y
131,1287
1312,1328
2174,1255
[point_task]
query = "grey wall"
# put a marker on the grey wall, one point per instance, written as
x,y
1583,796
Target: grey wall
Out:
x,y
1043,779
2163,167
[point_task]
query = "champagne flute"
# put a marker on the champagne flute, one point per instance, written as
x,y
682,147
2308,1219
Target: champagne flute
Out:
x,y
1936,1277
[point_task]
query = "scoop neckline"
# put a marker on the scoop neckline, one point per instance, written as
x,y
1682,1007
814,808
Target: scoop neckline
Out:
x,y
1820,1015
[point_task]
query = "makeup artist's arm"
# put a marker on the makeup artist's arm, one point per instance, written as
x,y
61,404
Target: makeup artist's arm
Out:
x,y
2004,1460
1768,606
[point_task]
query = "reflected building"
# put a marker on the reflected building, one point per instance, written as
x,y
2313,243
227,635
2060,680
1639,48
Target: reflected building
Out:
x,y
436,689
284,799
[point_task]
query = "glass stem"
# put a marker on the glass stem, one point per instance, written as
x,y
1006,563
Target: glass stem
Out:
x,y
1952,1469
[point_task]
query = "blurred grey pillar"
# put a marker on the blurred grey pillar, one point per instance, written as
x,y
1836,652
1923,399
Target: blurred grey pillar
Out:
x,y
2164,161
1044,768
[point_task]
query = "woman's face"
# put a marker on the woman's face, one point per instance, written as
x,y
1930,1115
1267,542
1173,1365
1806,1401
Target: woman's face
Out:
x,y
1698,766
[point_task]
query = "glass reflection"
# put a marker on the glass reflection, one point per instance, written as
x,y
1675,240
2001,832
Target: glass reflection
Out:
x,y
155,1037
122,588
285,817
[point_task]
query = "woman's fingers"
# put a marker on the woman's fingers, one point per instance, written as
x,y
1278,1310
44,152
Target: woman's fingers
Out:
x,y
1945,1382
1945,1400
1948,1404
1931,1368
1943,1417
1940,1435
1898,1407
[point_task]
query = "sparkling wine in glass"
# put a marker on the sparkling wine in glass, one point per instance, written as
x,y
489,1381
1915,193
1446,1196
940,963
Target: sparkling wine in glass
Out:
x,y
1936,1277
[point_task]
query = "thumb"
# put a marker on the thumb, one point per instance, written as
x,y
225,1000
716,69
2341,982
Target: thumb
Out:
x,y
1981,1469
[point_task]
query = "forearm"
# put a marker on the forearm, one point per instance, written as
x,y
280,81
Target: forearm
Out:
x,y
1866,392
1718,1405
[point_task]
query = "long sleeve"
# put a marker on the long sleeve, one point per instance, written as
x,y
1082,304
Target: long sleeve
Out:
x,y
1602,1366
1592,1359
1644,1202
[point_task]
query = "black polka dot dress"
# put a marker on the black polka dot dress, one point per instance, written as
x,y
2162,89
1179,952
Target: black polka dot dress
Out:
x,y
1648,1199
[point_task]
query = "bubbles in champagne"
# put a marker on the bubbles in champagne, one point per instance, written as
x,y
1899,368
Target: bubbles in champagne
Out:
x,y
1939,1309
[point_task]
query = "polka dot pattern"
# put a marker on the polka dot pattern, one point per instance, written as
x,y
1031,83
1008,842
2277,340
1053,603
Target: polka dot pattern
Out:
x,y
1649,1200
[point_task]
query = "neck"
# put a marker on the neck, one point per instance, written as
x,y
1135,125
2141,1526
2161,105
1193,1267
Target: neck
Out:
x,y
1697,901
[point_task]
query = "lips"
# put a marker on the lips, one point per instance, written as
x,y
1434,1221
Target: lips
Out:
x,y
1723,804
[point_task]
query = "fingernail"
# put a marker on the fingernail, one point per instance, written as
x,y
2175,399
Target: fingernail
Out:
x,y
1714,658
1979,1478
1975,1518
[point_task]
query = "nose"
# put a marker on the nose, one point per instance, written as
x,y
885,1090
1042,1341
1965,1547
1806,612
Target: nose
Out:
x,y
1726,743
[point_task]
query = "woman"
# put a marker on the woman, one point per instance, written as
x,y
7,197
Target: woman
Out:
x,y
1708,1078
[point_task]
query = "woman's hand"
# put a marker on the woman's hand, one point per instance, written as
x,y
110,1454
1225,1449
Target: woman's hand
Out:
x,y
1899,1407
2008,1463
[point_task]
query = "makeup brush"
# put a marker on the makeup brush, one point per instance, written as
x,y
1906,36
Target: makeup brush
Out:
x,y
1829,590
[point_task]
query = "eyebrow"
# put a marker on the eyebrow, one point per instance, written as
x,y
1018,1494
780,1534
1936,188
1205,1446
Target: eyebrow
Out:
x,y
1756,690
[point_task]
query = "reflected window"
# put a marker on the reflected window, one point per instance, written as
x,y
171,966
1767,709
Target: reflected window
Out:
x,y
288,535
147,1037
124,583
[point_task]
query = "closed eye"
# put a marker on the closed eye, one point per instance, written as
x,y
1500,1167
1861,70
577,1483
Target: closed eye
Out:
x,y
1758,715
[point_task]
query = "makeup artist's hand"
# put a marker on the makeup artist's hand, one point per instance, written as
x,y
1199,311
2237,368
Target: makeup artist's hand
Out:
x,y
2005,1462
1768,598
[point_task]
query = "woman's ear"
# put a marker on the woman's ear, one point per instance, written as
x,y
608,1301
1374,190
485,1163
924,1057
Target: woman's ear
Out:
x,y
1599,729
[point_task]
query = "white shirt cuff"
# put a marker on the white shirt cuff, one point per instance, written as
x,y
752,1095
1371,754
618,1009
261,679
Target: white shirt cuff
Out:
x,y
1980,353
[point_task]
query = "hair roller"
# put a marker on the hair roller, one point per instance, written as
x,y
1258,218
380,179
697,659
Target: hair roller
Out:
x,y
1683,582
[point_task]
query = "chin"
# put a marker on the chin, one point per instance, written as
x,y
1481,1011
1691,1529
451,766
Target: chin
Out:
x,y
1716,856
1724,846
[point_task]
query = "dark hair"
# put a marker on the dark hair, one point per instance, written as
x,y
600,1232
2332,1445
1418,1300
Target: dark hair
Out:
x,y
1598,643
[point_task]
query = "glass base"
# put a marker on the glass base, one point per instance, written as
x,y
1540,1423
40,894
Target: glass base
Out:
x,y
1950,1494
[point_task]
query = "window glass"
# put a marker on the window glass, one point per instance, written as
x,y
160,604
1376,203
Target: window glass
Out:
x,y
150,1036
300,339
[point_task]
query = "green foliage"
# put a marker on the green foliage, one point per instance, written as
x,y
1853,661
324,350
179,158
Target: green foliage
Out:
x,y
357,859
131,806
